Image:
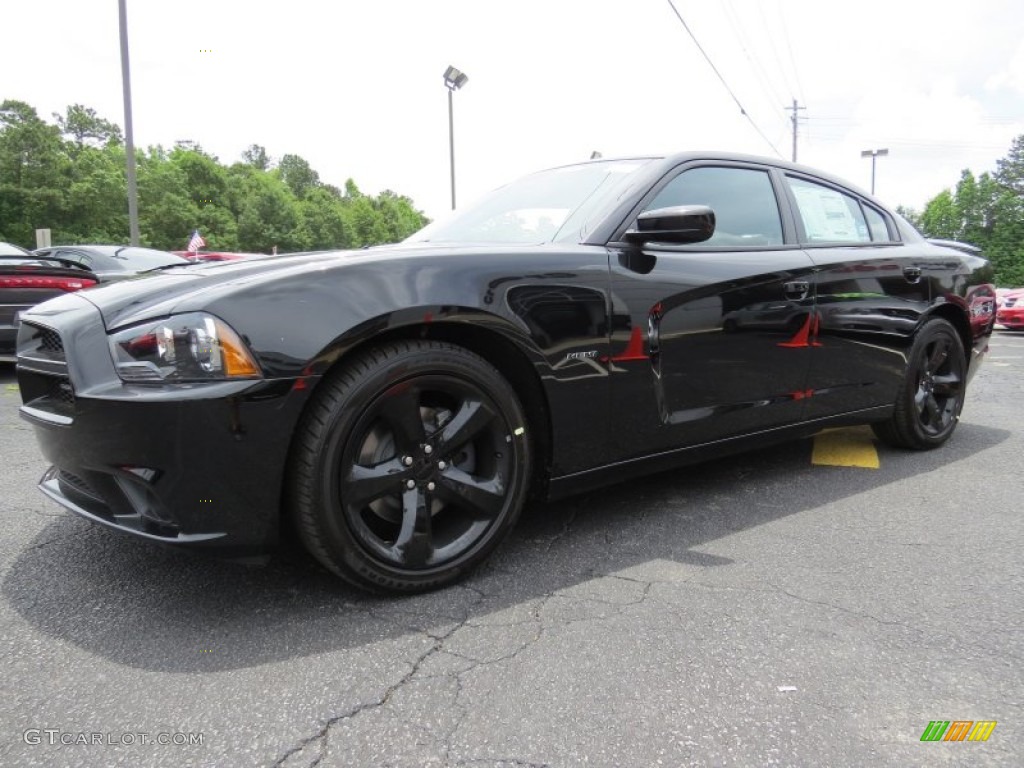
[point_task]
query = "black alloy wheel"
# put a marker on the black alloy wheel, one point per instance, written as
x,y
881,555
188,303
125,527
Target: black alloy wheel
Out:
x,y
932,393
411,468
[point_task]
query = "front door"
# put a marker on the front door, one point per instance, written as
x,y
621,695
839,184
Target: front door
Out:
x,y
713,340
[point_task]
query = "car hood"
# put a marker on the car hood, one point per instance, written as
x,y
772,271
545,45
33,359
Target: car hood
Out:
x,y
195,286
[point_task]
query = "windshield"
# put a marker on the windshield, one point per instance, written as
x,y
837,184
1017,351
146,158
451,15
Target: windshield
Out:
x,y
137,259
555,205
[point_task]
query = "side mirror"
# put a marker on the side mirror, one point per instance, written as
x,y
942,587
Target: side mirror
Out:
x,y
679,225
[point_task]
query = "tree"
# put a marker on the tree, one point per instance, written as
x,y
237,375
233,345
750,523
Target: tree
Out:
x,y
298,175
987,211
1010,169
167,213
84,126
267,214
324,221
69,176
257,157
32,163
941,218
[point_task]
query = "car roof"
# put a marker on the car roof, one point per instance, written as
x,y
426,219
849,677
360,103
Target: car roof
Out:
x,y
668,161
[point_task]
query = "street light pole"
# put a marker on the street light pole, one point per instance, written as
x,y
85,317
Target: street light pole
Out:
x,y
129,139
874,153
451,142
453,80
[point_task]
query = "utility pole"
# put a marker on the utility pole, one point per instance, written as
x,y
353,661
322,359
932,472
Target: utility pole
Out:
x,y
794,109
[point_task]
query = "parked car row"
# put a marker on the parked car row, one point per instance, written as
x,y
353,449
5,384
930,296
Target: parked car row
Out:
x,y
28,278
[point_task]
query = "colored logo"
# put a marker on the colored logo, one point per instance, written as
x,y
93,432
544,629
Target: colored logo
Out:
x,y
958,730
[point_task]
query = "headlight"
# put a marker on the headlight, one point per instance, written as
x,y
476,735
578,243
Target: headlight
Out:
x,y
189,347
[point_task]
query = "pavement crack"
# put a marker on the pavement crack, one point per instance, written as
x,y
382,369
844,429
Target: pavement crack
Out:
x,y
841,609
385,698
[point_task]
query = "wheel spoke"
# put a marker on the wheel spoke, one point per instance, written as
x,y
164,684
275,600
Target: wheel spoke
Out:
x,y
366,484
482,499
933,414
947,385
939,354
401,410
919,399
471,418
414,545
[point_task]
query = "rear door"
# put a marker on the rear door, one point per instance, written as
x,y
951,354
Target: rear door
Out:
x,y
711,340
871,291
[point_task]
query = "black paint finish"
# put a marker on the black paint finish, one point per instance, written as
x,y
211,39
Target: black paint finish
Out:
x,y
627,358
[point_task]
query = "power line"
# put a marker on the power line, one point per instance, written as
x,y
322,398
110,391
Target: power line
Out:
x,y
789,46
722,79
741,38
775,52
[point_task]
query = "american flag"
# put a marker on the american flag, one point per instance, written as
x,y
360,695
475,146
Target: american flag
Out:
x,y
196,242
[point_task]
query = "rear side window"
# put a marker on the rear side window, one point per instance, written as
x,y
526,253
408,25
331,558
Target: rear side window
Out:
x,y
877,225
76,256
746,211
828,215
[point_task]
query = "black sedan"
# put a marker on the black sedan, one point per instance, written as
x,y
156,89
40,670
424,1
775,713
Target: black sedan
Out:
x,y
27,280
112,262
398,405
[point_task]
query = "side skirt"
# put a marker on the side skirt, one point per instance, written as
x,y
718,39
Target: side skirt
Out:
x,y
617,472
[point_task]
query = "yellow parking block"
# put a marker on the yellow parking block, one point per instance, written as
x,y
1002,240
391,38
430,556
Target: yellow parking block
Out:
x,y
848,447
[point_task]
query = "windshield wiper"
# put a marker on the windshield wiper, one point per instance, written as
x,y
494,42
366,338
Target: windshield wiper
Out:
x,y
167,266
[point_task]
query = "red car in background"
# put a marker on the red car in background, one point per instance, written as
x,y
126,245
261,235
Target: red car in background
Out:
x,y
215,255
1011,309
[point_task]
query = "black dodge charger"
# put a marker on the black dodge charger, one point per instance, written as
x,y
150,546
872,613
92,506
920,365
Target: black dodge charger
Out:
x,y
397,405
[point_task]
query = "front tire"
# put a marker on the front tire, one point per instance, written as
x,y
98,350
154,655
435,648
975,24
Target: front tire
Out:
x,y
411,466
932,394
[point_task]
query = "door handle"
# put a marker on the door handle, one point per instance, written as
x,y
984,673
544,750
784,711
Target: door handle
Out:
x,y
912,274
798,289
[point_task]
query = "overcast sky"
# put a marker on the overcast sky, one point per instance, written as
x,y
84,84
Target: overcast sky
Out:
x,y
355,86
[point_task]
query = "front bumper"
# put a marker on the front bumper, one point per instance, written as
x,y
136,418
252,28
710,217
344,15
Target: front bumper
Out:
x,y
196,464
1010,318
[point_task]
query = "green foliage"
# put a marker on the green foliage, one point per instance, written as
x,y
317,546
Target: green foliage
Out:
x,y
298,175
83,126
70,177
987,211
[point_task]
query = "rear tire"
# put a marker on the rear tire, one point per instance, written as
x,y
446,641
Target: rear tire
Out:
x,y
931,396
411,466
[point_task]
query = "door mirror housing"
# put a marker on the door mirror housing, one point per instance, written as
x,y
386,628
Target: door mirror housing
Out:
x,y
678,225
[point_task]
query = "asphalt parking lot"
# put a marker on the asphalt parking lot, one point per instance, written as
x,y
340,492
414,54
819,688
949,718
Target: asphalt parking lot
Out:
x,y
761,610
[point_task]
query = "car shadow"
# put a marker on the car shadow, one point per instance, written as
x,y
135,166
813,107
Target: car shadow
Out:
x,y
156,608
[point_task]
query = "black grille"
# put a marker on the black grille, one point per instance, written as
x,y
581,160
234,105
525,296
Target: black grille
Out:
x,y
46,391
50,341
40,343
61,391
74,482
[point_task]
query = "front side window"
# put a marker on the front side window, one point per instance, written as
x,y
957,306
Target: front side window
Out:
x,y
746,211
828,216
